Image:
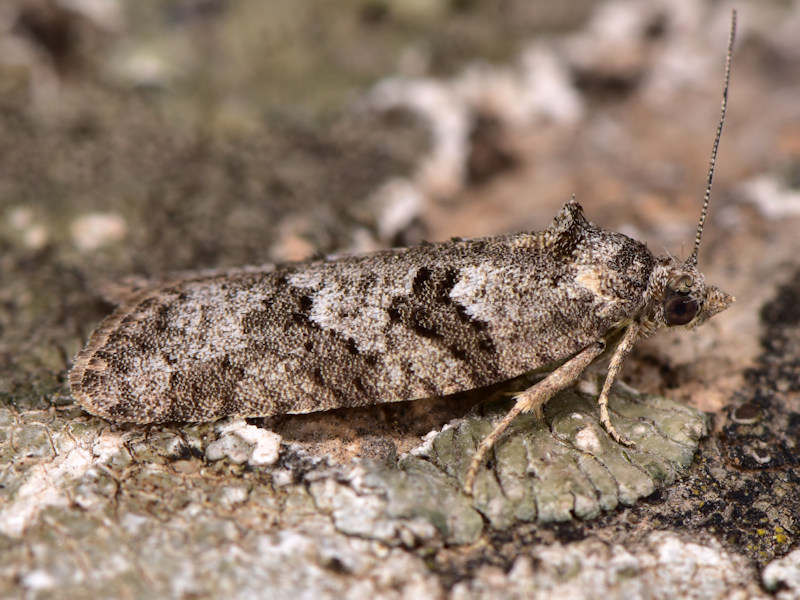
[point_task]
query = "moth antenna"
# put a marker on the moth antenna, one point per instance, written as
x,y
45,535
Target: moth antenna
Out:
x,y
704,211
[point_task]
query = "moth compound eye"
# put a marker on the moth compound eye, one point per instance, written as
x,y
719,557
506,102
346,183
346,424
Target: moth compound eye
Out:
x,y
680,309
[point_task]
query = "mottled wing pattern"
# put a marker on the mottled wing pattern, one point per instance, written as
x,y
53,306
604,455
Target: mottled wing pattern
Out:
x,y
402,324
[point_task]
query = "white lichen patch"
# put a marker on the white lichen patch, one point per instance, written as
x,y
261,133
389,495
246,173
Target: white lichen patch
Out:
x,y
782,576
43,487
772,197
588,440
95,230
242,443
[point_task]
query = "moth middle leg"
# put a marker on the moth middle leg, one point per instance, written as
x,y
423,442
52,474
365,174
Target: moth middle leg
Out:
x,y
532,400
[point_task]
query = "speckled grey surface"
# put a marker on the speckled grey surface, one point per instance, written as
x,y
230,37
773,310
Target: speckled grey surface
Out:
x,y
125,498
117,161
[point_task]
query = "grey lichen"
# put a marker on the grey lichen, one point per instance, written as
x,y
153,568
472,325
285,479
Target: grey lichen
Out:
x,y
568,466
549,471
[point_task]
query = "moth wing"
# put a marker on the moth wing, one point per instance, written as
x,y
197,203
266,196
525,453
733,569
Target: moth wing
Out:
x,y
397,325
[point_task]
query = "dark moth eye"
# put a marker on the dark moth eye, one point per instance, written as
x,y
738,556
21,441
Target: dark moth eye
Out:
x,y
680,309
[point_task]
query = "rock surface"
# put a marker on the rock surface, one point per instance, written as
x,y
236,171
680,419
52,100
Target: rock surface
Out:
x,y
135,142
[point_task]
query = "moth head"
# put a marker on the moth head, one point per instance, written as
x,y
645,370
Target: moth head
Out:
x,y
683,299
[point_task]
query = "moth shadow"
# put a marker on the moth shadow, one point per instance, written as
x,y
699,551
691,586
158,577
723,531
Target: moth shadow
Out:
x,y
382,431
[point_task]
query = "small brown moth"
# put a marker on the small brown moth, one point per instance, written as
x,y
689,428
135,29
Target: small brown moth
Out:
x,y
430,320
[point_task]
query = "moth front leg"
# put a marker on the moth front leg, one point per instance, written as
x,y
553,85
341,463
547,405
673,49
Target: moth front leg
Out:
x,y
632,335
532,400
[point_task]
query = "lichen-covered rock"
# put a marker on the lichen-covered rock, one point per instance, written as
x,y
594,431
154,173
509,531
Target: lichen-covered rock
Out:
x,y
568,466
664,566
89,509
553,471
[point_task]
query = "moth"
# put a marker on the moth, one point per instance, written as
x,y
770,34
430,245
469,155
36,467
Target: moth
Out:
x,y
401,324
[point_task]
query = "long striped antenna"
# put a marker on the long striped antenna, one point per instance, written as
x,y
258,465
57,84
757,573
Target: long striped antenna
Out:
x,y
693,258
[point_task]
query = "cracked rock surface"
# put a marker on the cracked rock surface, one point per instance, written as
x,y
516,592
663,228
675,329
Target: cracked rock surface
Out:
x,y
140,139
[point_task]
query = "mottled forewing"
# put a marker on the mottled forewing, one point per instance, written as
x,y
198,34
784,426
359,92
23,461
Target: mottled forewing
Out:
x,y
430,320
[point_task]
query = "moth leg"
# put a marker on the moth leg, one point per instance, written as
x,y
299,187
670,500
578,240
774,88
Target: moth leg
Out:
x,y
622,350
533,399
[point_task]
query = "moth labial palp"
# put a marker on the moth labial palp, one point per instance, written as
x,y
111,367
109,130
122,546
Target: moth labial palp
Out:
x,y
401,324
